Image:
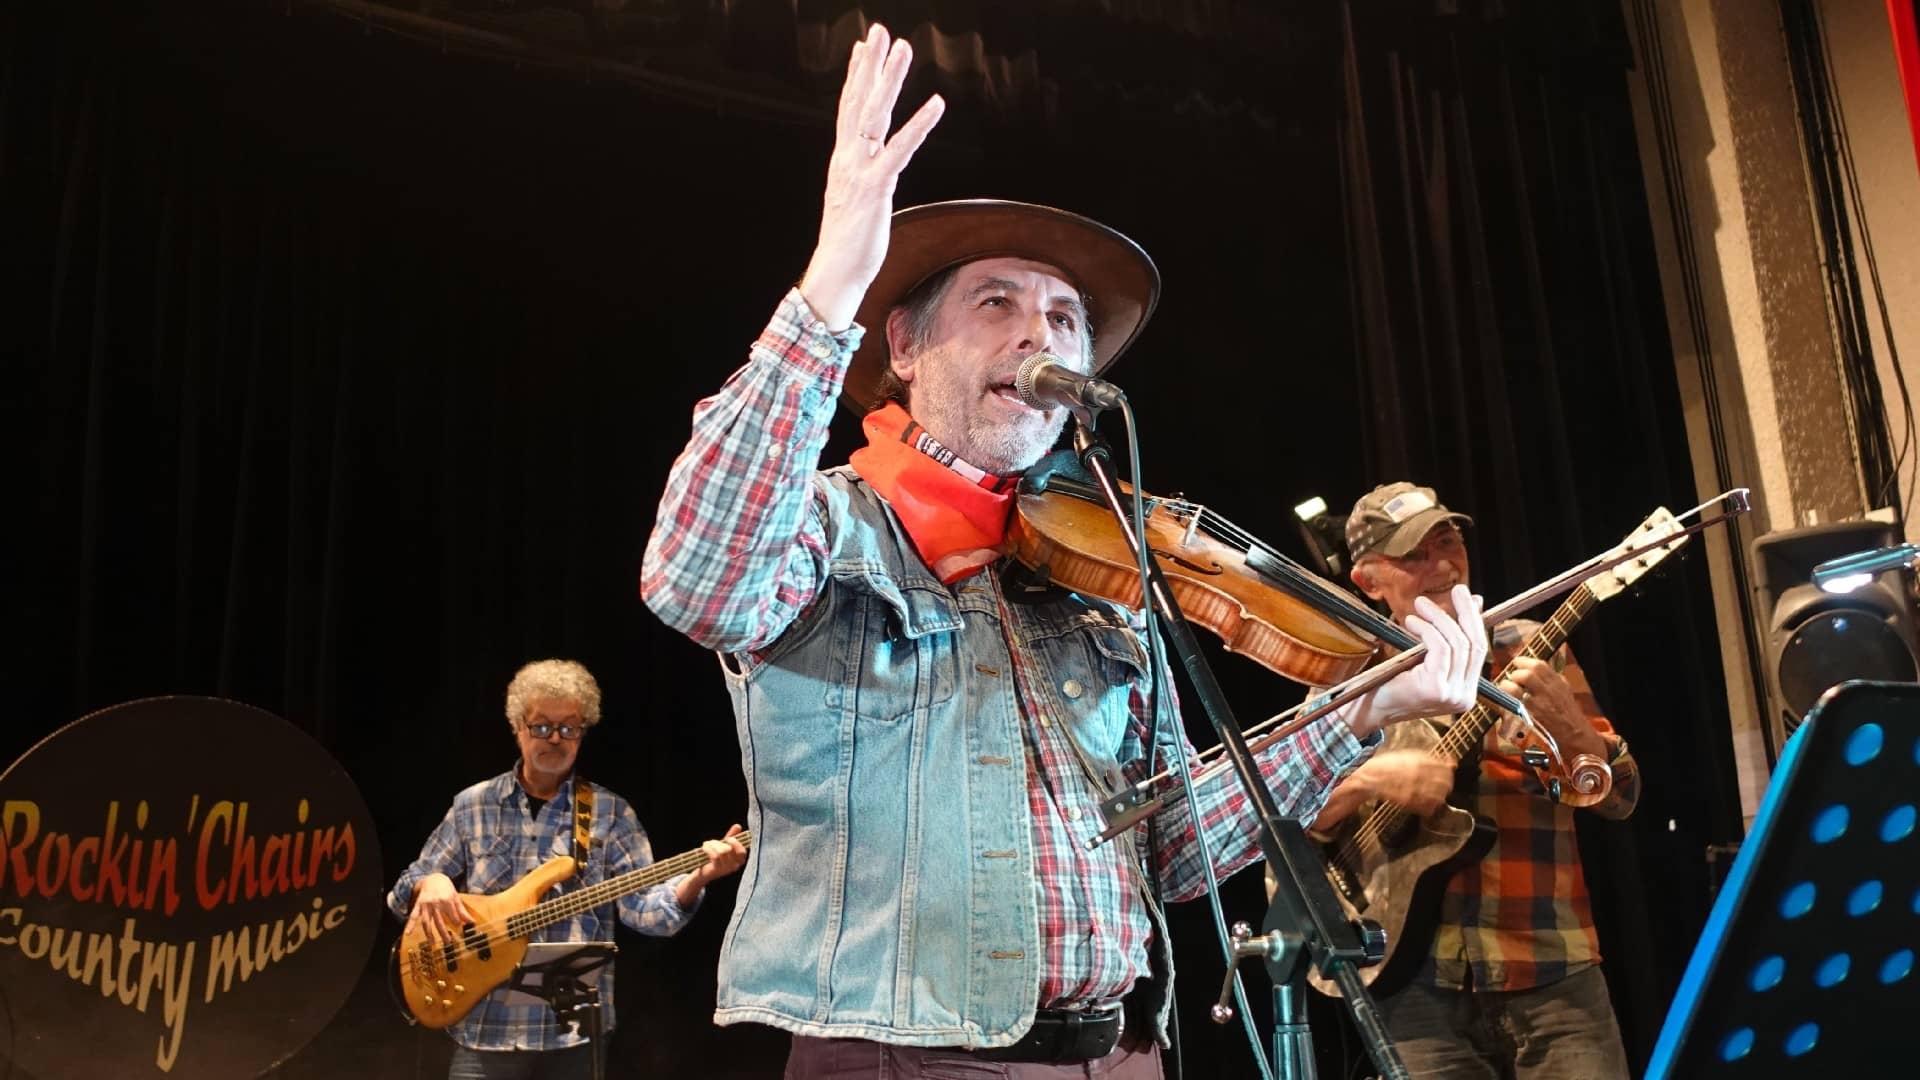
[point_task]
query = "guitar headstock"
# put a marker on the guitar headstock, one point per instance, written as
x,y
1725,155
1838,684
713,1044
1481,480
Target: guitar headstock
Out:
x,y
1660,523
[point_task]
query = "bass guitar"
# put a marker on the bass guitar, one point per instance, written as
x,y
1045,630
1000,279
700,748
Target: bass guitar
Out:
x,y
438,982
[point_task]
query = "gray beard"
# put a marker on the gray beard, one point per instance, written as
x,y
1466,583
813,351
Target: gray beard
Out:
x,y
1006,449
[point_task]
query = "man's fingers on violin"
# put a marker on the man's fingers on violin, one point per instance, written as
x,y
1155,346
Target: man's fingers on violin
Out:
x,y
1475,622
1422,631
1481,637
1443,637
1460,644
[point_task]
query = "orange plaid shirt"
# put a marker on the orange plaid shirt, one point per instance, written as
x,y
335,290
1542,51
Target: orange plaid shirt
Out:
x,y
1520,918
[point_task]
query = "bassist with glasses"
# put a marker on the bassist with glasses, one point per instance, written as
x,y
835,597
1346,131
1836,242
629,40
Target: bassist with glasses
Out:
x,y
517,835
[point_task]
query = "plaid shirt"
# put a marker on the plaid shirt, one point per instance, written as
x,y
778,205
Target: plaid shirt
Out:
x,y
1520,918
746,474
488,841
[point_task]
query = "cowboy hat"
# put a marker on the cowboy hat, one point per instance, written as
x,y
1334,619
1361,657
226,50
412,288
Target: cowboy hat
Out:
x,y
1117,279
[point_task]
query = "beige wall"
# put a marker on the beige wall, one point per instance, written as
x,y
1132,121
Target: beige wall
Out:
x,y
1756,336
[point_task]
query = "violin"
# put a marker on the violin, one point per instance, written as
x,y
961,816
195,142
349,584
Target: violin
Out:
x,y
1069,534
1227,581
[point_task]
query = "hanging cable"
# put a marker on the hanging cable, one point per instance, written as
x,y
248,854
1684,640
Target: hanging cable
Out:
x,y
1178,741
1828,170
1893,493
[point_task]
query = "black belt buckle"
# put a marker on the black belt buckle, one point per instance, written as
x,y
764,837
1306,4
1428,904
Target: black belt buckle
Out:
x,y
1062,1035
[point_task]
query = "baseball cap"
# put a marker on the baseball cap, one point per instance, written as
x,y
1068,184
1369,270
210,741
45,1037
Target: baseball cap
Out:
x,y
1393,518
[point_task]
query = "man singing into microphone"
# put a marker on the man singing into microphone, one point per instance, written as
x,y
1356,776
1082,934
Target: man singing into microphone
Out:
x,y
925,749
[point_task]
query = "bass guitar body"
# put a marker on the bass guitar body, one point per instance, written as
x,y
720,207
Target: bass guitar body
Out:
x,y
441,981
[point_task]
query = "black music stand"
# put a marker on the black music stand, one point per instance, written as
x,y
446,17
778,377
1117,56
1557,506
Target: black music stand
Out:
x,y
1806,965
559,979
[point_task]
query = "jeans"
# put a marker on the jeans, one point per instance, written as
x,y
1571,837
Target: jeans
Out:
x,y
1561,1031
573,1063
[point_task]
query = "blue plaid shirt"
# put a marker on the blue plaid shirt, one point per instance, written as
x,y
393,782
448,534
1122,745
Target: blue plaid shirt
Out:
x,y
488,841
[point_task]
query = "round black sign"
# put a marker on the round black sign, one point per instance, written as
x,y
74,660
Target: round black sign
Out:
x,y
189,887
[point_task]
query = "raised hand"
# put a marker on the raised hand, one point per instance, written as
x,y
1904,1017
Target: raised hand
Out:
x,y
861,176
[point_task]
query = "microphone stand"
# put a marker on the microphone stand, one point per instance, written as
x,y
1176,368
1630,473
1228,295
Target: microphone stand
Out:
x,y
1304,919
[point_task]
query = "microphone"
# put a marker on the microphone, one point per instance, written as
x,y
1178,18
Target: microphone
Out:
x,y
1043,381
1849,572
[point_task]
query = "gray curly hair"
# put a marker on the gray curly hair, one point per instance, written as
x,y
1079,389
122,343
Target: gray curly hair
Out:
x,y
567,679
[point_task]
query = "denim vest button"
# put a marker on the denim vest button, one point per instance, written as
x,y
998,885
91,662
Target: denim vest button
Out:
x,y
1072,688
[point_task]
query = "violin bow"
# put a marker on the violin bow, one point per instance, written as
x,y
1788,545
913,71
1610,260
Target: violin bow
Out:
x,y
1138,802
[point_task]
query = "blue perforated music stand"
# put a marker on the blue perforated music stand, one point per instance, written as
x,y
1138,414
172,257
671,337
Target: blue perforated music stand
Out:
x,y
1806,965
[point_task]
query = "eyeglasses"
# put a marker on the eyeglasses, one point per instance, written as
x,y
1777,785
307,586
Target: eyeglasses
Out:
x,y
544,730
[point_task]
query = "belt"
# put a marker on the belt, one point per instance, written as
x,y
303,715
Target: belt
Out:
x,y
1059,1035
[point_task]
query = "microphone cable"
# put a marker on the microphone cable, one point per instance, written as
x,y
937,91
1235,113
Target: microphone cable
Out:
x,y
1156,665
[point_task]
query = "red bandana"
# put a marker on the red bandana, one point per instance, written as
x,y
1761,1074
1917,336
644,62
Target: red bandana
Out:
x,y
955,514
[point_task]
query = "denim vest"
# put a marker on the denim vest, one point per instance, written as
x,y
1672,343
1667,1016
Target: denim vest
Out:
x,y
891,893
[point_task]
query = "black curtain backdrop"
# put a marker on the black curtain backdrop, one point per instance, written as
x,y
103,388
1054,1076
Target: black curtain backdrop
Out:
x,y
1509,347
344,372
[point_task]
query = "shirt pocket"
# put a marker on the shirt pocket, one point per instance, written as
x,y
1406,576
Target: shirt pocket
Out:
x,y
895,650
1092,661
494,869
1089,654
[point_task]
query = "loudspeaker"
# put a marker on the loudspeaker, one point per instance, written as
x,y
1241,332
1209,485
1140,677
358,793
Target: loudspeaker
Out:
x,y
1816,639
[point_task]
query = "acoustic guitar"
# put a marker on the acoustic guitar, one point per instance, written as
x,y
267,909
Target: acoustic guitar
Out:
x,y
439,982
1392,866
